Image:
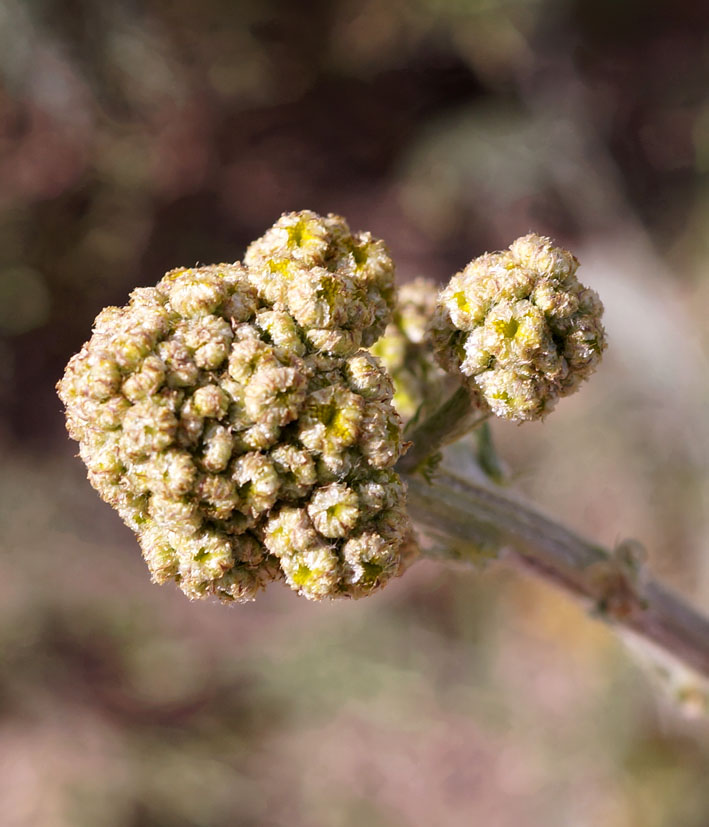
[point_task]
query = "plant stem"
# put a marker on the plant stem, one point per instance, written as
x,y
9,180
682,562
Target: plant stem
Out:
x,y
472,518
456,416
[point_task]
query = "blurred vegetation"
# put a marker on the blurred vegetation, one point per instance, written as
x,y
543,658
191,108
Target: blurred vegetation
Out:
x,y
138,137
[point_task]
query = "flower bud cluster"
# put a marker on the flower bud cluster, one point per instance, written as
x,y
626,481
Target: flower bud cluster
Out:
x,y
230,417
406,353
520,328
338,286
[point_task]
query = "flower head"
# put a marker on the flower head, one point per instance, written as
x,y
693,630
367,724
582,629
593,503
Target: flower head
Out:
x,y
520,328
230,417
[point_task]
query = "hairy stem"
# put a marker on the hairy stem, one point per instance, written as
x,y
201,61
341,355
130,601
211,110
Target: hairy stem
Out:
x,y
470,518
456,416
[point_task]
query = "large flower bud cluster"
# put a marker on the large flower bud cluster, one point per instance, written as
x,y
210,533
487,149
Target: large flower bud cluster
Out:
x,y
406,353
230,417
520,328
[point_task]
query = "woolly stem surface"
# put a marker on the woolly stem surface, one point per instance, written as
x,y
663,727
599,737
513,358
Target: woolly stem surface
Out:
x,y
456,416
470,520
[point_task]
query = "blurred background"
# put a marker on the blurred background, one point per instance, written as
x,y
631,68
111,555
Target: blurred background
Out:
x,y
136,137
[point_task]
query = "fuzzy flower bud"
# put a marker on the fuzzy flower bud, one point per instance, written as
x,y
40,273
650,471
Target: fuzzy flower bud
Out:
x,y
520,328
229,416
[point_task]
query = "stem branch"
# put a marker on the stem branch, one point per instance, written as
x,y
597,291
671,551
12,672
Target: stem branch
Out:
x,y
456,416
470,517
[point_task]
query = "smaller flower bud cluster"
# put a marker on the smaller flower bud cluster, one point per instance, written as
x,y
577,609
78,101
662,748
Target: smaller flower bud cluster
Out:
x,y
230,417
406,353
520,328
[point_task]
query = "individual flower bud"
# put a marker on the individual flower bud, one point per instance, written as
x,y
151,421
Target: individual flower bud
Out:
x,y
333,465
296,470
249,551
104,464
182,371
303,237
208,339
229,417
197,292
177,514
159,554
219,495
290,529
282,331
258,437
520,328
132,508
104,376
240,584
257,482
541,256
210,401
130,348
172,473
321,299
145,382
314,573
203,558
338,342
369,562
334,510
149,427
218,446
275,394
381,441
270,280
190,424
103,416
380,491
366,377
322,370
392,524
331,419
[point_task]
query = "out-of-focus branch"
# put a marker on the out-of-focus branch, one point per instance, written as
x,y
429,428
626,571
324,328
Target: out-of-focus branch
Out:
x,y
470,519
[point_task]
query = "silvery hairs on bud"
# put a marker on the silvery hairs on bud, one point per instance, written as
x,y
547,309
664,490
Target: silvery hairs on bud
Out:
x,y
520,328
232,418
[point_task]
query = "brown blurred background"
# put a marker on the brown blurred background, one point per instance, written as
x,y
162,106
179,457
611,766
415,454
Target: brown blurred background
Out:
x,y
136,137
